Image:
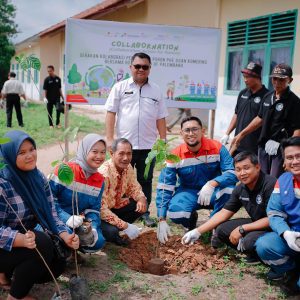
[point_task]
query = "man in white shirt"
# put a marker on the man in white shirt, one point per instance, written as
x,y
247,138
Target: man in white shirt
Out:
x,y
141,111
12,90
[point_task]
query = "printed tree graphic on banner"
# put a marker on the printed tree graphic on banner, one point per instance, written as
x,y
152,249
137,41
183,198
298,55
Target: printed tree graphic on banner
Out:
x,y
74,76
94,85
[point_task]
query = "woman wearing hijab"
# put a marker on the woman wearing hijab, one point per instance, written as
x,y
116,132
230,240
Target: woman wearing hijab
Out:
x,y
25,196
82,199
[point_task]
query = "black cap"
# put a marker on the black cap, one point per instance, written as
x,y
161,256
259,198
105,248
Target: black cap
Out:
x,y
253,70
282,71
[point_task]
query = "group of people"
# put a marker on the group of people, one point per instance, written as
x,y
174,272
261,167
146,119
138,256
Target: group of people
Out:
x,y
110,195
13,91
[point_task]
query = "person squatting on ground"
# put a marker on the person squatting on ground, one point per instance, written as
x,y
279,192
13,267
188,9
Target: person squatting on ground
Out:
x,y
25,191
11,91
247,108
123,199
253,194
205,176
141,111
280,249
84,195
53,93
278,118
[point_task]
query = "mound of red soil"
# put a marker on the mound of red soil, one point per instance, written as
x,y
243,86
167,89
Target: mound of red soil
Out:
x,y
178,258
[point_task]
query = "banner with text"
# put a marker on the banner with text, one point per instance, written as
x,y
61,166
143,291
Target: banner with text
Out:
x,y
185,60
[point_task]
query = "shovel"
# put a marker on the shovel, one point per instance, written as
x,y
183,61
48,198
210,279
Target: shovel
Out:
x,y
78,288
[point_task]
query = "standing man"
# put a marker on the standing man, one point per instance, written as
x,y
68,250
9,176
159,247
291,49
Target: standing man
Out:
x,y
138,104
204,178
278,118
253,194
280,249
12,90
53,93
247,108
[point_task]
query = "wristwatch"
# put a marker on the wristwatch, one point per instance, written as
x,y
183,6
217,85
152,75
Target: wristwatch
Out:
x,y
242,230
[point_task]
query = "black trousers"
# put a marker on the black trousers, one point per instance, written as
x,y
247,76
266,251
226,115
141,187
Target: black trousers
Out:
x,y
50,106
138,162
224,230
26,268
127,214
13,100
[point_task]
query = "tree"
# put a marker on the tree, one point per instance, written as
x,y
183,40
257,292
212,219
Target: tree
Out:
x,y
7,30
74,76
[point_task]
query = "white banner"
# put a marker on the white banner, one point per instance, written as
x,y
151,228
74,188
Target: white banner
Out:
x,y
185,60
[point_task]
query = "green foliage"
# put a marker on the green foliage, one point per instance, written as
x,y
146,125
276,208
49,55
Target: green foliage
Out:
x,y
27,62
74,76
161,153
197,289
8,29
65,174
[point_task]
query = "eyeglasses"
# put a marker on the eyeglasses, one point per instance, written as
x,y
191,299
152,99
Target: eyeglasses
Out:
x,y
144,67
290,158
190,130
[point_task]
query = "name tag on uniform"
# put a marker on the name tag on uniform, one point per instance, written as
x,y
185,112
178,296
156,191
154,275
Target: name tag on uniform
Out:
x,y
128,93
244,97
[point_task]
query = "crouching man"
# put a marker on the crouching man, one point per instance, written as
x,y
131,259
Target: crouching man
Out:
x,y
280,249
253,194
123,199
205,176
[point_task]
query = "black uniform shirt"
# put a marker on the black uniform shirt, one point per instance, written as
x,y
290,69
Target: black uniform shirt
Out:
x,y
255,201
52,85
280,118
246,109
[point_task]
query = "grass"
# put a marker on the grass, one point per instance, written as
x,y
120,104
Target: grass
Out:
x,y
36,124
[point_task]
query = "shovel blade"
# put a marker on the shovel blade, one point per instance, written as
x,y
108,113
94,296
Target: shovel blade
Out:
x,y
79,289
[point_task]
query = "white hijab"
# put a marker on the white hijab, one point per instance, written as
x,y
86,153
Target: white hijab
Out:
x,y
84,148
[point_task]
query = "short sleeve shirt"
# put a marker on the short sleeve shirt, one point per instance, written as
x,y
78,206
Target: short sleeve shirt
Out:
x,y
52,85
254,201
247,108
13,86
138,109
280,117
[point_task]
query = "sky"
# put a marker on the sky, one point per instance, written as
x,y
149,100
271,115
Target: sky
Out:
x,y
33,16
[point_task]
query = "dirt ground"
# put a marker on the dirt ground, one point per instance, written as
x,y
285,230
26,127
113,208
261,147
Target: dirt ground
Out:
x,y
196,272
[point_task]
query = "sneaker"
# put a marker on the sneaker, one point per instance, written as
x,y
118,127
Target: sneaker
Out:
x,y
51,127
21,125
149,222
193,220
274,276
252,259
58,126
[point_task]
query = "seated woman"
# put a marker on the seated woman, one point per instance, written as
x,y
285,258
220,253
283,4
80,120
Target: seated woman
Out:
x,y
82,199
23,189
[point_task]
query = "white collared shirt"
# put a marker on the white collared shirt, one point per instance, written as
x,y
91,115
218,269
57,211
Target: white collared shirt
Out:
x,y
138,109
12,86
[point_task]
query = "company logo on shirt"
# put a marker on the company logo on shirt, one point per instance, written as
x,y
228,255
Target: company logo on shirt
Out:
x,y
258,199
56,80
279,107
257,100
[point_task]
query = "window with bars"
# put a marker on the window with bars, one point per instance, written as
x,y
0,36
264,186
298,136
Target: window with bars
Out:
x,y
267,40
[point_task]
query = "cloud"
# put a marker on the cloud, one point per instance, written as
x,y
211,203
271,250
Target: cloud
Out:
x,y
36,15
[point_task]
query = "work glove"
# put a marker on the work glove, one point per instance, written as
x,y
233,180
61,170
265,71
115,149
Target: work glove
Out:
x,y
61,100
290,237
75,221
132,231
271,147
224,139
45,100
191,237
204,195
241,246
163,231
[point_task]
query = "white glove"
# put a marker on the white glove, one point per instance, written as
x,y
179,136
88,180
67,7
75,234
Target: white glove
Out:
x,y
191,237
290,237
205,194
45,100
75,221
163,231
271,147
61,100
132,231
240,246
224,139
